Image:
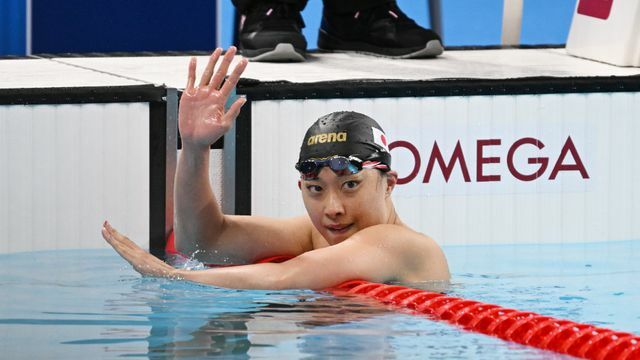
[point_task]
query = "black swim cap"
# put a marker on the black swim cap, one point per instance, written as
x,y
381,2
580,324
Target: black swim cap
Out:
x,y
345,133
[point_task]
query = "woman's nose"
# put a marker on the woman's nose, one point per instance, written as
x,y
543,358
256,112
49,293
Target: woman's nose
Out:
x,y
334,206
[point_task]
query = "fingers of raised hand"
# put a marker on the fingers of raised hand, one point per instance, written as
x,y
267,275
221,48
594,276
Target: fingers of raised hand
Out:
x,y
208,71
224,67
232,81
191,78
233,111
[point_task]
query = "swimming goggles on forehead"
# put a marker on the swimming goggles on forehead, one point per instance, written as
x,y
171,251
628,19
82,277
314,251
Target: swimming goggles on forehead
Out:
x,y
341,165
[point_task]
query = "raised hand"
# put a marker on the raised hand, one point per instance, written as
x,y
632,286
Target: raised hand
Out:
x,y
202,116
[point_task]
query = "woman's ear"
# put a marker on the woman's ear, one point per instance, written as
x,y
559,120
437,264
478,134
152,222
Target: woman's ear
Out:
x,y
299,184
392,180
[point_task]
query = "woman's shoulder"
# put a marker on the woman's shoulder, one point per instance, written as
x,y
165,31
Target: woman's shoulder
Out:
x,y
399,230
397,236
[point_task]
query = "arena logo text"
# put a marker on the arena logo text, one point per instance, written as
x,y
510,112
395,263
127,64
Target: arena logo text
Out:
x,y
567,160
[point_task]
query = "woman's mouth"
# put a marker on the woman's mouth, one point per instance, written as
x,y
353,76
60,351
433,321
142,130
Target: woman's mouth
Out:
x,y
338,229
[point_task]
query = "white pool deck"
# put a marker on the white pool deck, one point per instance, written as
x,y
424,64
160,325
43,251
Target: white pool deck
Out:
x,y
172,70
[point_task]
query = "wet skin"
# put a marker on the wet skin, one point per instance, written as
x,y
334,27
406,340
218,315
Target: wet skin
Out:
x,y
351,230
341,206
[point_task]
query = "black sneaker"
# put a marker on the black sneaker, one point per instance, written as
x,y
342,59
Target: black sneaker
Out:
x,y
383,31
271,31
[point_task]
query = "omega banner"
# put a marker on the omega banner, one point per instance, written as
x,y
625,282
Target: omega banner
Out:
x,y
481,169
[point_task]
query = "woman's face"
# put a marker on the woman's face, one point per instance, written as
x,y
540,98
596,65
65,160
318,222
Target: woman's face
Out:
x,y
340,206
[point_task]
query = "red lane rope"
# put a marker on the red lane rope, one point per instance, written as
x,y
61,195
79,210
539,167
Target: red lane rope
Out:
x,y
523,327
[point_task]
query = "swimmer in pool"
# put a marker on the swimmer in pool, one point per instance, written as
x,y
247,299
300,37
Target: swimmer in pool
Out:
x,y
351,229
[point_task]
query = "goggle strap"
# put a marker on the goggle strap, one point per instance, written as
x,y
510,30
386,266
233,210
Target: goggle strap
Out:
x,y
335,164
374,165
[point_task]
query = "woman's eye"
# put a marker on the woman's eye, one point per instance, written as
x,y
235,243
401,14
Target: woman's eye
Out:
x,y
351,184
314,188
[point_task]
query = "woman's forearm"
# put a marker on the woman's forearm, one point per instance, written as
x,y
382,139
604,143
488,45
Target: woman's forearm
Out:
x,y
256,276
198,217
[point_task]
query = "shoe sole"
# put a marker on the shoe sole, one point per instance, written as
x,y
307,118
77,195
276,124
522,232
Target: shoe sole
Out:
x,y
283,52
432,49
327,42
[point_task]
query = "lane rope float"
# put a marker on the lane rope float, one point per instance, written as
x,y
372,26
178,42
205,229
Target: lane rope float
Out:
x,y
523,327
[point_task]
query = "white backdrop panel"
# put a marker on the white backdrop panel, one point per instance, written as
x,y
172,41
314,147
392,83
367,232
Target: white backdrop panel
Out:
x,y
64,169
539,168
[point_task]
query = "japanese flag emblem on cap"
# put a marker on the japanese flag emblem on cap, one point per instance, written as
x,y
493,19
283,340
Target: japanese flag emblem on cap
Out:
x,y
380,138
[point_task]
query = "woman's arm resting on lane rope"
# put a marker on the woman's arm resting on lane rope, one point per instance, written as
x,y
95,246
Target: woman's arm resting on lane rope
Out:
x,y
365,257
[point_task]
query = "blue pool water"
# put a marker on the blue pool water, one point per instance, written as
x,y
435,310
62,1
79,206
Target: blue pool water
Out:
x,y
91,304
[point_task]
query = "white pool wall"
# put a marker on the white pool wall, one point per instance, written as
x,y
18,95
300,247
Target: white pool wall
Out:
x,y
67,168
600,203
